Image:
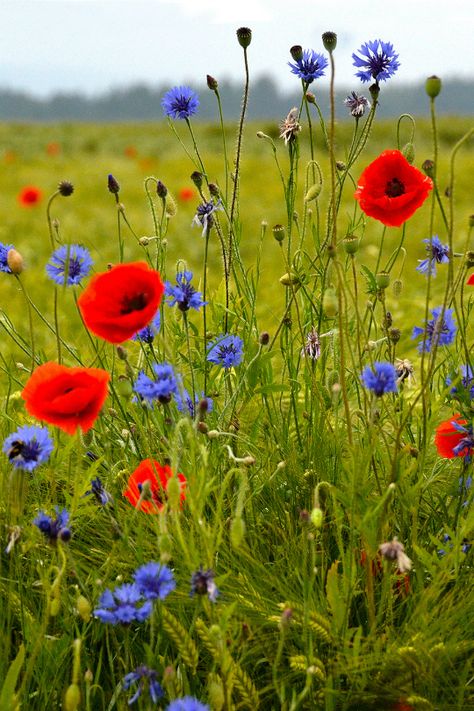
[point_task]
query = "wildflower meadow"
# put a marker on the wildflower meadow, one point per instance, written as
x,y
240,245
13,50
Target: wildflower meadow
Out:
x,y
237,403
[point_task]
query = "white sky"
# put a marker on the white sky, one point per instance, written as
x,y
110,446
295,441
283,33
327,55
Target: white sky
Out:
x,y
91,45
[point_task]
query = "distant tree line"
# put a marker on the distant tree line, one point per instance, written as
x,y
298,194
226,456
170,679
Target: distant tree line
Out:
x,y
143,103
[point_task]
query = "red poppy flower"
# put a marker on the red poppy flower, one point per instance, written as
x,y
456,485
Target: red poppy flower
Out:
x,y
29,195
186,194
66,397
390,189
118,303
157,477
470,281
449,436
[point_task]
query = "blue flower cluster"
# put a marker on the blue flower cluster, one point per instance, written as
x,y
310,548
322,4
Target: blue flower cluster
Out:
x,y
465,384
54,529
185,402
310,66
148,333
184,295
437,254
180,102
381,379
187,703
202,583
28,447
134,601
161,389
69,264
143,675
226,350
4,249
440,330
378,61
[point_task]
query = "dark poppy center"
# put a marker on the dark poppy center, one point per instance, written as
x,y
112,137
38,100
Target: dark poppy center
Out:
x,y
394,188
137,302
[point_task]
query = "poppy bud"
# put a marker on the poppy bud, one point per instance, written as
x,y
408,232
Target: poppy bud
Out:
x,y
433,86
289,279
313,192
15,261
408,151
84,608
244,36
350,244
330,303
382,280
237,531
173,491
72,698
310,97
316,517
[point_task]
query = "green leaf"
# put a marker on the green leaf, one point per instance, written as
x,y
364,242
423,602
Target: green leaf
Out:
x,y
8,702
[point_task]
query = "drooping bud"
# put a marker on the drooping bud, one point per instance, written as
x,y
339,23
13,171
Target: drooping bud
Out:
x,y
433,86
113,185
313,192
296,52
329,41
244,36
84,608
171,209
15,261
211,82
408,151
237,531
316,517
397,287
289,279
65,188
122,353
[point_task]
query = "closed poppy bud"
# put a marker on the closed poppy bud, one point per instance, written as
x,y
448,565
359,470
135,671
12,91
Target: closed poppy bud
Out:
x,y
72,698
15,261
433,86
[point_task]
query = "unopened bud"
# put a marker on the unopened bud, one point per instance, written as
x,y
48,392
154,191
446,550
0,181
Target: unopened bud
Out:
x,y
144,241
290,279
374,90
244,36
316,517
296,52
15,261
330,303
113,185
408,151
433,86
469,259
264,338
202,427
428,167
170,208
84,608
329,41
394,334
340,165
310,97
278,232
237,531
196,177
350,244
173,491
122,353
65,188
397,287
124,387
72,698
161,190
214,190
211,82
212,434
382,280
313,192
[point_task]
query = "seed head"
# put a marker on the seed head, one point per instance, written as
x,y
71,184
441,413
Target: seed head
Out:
x,y
65,188
244,36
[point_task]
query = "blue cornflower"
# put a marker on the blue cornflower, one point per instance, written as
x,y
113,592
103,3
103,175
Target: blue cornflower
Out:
x,y
28,447
180,102
123,605
97,490
184,294
73,259
187,703
154,580
441,331
4,249
465,545
381,379
160,389
202,583
311,66
54,528
143,674
378,60
184,402
437,253
205,215
147,334
466,383
357,104
226,350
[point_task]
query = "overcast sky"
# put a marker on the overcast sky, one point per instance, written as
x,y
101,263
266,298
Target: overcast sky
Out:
x,y
92,45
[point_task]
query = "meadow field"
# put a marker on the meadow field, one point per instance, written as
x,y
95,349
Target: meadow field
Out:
x,y
266,502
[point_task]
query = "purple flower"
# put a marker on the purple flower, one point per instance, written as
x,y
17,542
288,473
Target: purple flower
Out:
x,y
381,379
440,330
202,583
184,402
54,528
378,61
69,264
155,581
205,215
437,254
28,447
311,66
226,350
184,294
144,675
123,605
4,249
357,104
312,347
465,384
187,703
161,389
180,102
148,333
97,490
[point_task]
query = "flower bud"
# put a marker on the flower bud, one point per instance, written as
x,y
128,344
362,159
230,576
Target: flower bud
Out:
x,y
289,279
408,151
469,259
350,244
329,41
433,86
382,280
65,188
278,232
310,97
216,693
15,261
471,221
72,698
296,52
394,334
264,338
244,36
113,185
202,427
428,167
397,287
313,192
316,517
161,190
213,190
171,209
196,177
88,676
211,82
124,387
122,353
330,303
374,90
144,241
341,166
84,608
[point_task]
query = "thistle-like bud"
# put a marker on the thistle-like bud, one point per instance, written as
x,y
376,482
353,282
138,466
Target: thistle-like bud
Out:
x,y
296,52
213,190
278,233
433,86
264,338
310,97
65,188
329,41
394,334
211,82
374,90
196,177
244,35
469,260
340,165
382,280
161,190
15,261
113,185
408,151
350,244
428,167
